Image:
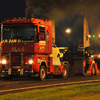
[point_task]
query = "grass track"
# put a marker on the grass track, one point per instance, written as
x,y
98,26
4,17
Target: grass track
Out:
x,y
87,91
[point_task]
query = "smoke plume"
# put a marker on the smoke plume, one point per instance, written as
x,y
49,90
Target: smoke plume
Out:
x,y
67,13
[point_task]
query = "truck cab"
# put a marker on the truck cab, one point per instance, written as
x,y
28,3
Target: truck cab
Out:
x,y
26,46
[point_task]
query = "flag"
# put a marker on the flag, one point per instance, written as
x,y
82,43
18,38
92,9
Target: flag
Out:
x,y
86,40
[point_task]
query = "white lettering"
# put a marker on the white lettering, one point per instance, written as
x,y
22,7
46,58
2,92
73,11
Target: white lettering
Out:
x,y
14,49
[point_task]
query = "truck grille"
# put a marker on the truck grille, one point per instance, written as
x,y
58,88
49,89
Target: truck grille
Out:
x,y
16,59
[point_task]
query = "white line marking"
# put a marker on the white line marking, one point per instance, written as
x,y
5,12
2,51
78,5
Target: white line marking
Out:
x,y
43,86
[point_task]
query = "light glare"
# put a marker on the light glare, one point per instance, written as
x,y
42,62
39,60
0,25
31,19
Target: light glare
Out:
x,y
4,61
91,56
30,61
89,36
68,30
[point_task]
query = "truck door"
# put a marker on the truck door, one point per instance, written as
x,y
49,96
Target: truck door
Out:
x,y
41,33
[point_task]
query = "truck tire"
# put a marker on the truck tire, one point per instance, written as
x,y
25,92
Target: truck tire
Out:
x,y
65,73
42,73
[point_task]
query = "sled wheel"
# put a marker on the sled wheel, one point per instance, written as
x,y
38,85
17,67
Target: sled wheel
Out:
x,y
93,71
42,73
65,73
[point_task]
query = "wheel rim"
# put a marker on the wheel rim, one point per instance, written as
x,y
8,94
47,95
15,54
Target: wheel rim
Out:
x,y
65,72
42,73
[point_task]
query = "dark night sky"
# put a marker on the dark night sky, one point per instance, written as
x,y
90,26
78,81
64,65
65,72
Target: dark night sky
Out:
x,y
12,8
66,13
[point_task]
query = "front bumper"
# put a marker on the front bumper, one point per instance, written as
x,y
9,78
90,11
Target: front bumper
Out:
x,y
6,72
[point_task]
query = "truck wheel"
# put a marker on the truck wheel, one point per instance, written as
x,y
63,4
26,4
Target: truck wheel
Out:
x,y
42,73
65,73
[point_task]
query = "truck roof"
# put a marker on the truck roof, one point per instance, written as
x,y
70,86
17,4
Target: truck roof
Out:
x,y
24,20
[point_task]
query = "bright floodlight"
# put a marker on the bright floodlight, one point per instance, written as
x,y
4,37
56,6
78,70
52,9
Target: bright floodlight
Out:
x,y
89,36
68,30
92,56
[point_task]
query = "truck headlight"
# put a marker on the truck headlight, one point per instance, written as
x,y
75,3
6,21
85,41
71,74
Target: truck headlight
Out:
x,y
30,61
4,61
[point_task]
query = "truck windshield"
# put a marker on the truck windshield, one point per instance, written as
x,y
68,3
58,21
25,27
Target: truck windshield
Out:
x,y
20,32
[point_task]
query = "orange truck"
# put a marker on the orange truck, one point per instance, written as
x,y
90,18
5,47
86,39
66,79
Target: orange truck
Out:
x,y
27,48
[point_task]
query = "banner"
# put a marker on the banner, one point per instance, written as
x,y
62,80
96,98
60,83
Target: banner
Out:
x,y
86,40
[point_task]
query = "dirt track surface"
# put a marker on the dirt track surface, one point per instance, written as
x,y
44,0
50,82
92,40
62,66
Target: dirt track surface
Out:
x,y
21,82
